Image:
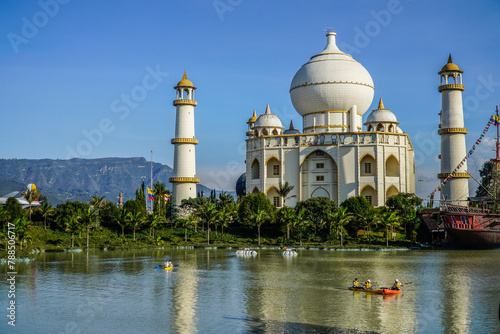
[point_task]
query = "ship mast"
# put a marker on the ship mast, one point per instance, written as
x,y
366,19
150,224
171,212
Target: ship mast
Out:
x,y
496,161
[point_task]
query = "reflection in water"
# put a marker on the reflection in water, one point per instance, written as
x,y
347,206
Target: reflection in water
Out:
x,y
216,292
185,300
456,299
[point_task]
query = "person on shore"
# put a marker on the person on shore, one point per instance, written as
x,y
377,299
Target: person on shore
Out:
x,y
368,284
356,284
397,285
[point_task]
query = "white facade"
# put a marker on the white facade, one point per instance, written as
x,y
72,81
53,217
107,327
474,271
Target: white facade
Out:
x,y
452,132
184,179
333,157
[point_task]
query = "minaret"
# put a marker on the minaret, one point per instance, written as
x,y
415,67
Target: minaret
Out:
x,y
184,180
452,132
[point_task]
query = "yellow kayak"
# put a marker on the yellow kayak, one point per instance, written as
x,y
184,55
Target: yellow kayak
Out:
x,y
168,268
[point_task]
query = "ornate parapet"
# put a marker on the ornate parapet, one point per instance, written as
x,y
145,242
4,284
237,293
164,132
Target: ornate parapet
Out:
x,y
184,141
451,87
455,176
183,179
188,102
453,130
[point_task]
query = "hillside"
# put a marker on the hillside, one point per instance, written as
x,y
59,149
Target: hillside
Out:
x,y
79,179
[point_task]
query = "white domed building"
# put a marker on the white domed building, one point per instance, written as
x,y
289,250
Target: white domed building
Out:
x,y
333,156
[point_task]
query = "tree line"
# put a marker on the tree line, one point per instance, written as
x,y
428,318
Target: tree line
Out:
x,y
217,217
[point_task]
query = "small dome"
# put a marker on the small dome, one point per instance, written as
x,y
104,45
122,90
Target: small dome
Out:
x,y
381,115
253,118
185,82
291,130
241,185
450,67
268,120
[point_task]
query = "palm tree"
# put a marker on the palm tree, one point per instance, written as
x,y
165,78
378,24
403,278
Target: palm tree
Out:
x,y
341,217
185,223
47,211
135,220
72,225
30,196
284,190
388,220
368,219
123,219
287,217
208,213
154,221
160,192
21,229
259,218
89,220
300,223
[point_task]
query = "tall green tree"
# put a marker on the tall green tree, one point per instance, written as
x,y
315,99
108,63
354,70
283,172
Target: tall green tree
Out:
x,y
368,219
286,216
208,214
317,210
123,219
284,190
136,220
341,217
259,218
389,220
47,211
251,204
88,220
72,224
30,196
404,203
21,228
357,206
160,191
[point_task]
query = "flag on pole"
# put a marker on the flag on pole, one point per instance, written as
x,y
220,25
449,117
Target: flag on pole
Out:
x,y
167,198
151,195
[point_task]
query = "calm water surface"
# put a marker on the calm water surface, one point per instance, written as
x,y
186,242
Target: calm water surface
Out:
x,y
214,291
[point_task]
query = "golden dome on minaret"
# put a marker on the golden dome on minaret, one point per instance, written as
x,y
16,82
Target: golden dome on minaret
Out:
x,y
185,82
450,67
253,118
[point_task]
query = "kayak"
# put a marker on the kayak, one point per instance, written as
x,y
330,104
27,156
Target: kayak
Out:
x,y
378,291
168,268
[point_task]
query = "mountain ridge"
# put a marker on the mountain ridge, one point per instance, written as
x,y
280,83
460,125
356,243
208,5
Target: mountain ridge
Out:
x,y
79,179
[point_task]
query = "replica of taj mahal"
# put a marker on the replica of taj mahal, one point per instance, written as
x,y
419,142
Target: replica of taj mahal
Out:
x,y
333,156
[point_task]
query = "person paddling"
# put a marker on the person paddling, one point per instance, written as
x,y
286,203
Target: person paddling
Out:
x,y
368,284
167,263
356,284
397,285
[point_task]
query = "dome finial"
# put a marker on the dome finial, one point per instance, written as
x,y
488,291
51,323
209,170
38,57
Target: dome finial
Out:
x,y
268,110
381,104
449,59
291,125
185,82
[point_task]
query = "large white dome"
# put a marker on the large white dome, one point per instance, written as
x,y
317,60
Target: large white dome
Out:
x,y
331,80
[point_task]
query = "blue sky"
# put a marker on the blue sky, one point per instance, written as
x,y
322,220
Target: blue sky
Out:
x,y
67,67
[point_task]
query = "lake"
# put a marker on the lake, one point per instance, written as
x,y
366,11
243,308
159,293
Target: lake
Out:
x,y
215,291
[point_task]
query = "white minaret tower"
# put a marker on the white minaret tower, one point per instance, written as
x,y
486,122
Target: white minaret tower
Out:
x,y
184,180
452,132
